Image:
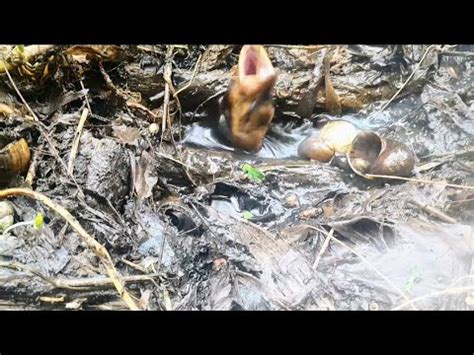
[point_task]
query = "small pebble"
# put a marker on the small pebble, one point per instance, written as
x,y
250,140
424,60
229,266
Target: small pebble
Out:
x,y
374,306
6,215
154,128
291,201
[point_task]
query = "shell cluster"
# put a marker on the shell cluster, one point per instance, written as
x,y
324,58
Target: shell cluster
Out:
x,y
366,152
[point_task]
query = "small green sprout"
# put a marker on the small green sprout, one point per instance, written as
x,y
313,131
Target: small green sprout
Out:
x,y
39,221
247,214
415,276
36,223
253,173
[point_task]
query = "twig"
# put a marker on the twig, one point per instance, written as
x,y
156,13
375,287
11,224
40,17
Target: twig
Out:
x,y
31,174
99,250
364,260
117,91
323,248
85,97
188,84
409,78
77,139
433,211
166,75
105,281
457,53
434,294
394,177
133,265
79,284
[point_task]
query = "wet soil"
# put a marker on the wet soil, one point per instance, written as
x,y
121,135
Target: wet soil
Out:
x,y
177,206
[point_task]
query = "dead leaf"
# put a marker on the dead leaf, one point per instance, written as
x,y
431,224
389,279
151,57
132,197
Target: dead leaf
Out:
x,y
218,264
145,179
167,300
103,52
76,304
127,135
452,73
6,110
328,211
144,300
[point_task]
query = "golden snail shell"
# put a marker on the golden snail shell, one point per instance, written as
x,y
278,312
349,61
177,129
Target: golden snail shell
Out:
x,y
334,137
14,159
314,148
339,135
371,154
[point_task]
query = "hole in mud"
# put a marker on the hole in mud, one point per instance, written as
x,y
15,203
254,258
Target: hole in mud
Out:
x,y
232,201
184,223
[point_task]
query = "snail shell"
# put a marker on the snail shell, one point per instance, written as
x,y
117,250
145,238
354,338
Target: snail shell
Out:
x,y
314,148
339,135
6,215
335,137
14,159
371,154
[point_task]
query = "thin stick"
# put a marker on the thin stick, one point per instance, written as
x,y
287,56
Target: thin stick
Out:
x,y
457,53
365,261
434,294
323,248
105,281
394,177
85,97
77,139
31,174
99,250
188,84
409,78
433,211
80,283
167,74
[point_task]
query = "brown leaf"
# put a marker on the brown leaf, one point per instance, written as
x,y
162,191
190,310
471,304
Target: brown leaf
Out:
x,y
144,300
6,110
127,135
145,179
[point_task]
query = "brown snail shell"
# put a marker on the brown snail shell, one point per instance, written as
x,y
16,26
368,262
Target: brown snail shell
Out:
x,y
339,135
371,154
334,137
314,148
14,159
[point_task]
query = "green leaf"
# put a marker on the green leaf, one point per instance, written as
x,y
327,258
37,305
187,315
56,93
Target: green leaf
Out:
x,y
415,276
253,173
38,223
21,48
247,214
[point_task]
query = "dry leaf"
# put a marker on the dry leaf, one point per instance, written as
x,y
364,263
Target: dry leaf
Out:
x,y
6,110
76,304
452,73
145,179
144,300
127,135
